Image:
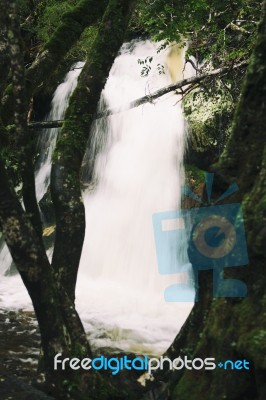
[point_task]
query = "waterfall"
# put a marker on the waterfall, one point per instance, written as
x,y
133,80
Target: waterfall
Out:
x,y
47,138
138,172
5,258
137,162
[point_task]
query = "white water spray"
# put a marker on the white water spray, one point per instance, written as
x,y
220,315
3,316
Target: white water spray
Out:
x,y
47,138
138,172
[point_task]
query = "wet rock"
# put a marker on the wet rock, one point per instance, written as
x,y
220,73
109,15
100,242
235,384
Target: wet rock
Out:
x,y
19,352
13,388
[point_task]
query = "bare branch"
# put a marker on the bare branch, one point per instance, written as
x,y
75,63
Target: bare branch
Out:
x,y
45,124
189,82
173,87
237,28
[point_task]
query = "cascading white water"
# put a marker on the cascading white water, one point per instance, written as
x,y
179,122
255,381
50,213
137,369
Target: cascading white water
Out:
x,y
5,258
138,172
45,147
47,139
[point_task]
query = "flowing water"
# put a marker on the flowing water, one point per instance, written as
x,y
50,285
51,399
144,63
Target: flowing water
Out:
x,y
137,161
47,138
138,172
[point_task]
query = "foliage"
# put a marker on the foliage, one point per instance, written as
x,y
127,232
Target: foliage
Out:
x,y
50,15
217,30
24,8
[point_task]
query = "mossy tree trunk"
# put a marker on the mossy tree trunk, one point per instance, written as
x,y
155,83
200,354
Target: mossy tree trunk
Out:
x,y
52,298
4,56
73,23
234,328
28,253
70,148
22,140
60,326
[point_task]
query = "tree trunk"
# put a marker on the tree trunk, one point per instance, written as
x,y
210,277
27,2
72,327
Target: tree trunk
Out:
x,y
86,13
60,327
70,148
57,330
227,328
23,143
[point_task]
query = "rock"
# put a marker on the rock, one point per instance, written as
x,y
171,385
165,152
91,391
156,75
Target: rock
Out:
x,y
13,388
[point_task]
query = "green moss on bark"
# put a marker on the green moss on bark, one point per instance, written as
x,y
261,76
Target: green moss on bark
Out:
x,y
235,328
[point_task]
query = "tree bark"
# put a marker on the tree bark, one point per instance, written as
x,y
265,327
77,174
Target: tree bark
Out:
x,y
4,54
86,13
45,124
70,148
59,332
60,326
23,142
